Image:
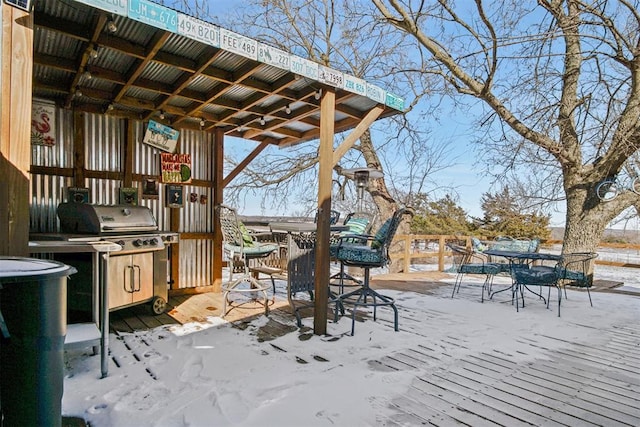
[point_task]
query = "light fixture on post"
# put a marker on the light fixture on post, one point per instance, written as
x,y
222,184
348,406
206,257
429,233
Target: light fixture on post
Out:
x,y
361,177
287,109
161,115
202,123
93,53
78,92
262,121
87,75
318,94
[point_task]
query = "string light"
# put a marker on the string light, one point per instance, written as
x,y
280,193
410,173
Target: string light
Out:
x,y
112,27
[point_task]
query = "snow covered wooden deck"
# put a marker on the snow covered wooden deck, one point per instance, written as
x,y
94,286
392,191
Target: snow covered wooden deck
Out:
x,y
473,363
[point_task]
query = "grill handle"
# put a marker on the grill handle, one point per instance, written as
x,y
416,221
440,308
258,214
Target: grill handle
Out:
x,y
139,287
131,228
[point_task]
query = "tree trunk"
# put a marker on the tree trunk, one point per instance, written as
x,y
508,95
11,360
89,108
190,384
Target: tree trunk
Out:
x,y
587,216
382,198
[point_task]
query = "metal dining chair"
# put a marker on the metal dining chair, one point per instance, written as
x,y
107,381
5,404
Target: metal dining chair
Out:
x,y
467,261
334,217
572,269
358,223
367,252
241,247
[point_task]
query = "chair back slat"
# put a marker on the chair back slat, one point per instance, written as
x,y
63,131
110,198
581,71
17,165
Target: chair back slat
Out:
x,y
385,237
230,226
361,222
461,256
377,254
334,217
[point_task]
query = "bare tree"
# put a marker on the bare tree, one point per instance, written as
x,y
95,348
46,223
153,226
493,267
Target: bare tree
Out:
x,y
336,34
559,82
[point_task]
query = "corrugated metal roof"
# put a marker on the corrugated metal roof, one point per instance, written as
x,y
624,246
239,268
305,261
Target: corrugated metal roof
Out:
x,y
138,70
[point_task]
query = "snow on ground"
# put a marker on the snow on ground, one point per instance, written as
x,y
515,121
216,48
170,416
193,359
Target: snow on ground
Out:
x,y
205,374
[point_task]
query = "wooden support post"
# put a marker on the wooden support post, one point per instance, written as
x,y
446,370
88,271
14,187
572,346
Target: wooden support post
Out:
x,y
15,125
325,154
218,169
441,244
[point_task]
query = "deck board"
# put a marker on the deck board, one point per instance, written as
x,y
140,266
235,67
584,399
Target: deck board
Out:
x,y
577,383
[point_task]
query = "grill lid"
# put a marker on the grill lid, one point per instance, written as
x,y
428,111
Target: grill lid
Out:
x,y
85,218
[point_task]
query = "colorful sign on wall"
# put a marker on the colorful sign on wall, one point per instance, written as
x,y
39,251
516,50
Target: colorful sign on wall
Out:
x,y
176,168
161,136
43,123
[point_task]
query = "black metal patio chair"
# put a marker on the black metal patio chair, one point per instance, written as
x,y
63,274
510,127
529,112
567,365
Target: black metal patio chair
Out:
x,y
467,261
359,223
573,269
369,252
334,217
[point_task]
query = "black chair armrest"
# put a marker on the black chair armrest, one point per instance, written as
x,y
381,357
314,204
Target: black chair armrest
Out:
x,y
362,239
575,262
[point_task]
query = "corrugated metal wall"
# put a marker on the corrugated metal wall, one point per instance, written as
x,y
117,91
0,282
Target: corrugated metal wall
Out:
x,y
48,191
105,139
196,216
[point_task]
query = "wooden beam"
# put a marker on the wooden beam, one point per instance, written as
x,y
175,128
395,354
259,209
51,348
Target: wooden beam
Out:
x,y
325,155
127,164
244,163
356,133
218,168
79,171
15,125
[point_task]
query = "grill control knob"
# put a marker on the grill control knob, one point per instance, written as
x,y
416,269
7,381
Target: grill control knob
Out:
x,y
153,241
120,242
137,242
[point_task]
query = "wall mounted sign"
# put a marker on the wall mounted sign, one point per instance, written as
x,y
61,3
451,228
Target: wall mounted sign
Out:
x,y
43,123
174,196
330,77
272,56
128,196
161,136
176,168
150,188
153,14
198,30
115,6
78,195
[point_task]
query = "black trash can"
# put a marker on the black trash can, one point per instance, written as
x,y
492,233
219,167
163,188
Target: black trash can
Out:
x,y
33,304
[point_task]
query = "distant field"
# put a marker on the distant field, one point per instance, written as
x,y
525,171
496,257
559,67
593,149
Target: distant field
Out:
x,y
625,236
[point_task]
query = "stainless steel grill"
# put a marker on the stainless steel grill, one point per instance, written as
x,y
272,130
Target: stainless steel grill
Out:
x,y
132,227
138,273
